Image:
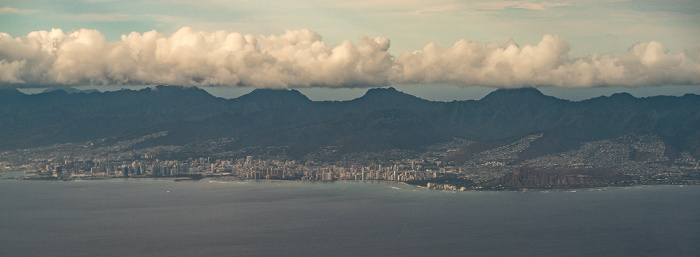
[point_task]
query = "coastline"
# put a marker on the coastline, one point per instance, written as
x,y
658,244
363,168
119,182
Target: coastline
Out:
x,y
28,175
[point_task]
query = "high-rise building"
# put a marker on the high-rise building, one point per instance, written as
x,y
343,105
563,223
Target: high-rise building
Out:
x,y
248,161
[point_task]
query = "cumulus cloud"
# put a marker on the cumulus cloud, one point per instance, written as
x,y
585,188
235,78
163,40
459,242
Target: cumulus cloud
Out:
x,y
193,58
300,58
547,64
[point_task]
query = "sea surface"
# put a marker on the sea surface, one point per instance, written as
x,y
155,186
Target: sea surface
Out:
x,y
160,217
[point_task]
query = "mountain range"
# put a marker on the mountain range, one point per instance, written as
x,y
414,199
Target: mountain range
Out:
x,y
382,119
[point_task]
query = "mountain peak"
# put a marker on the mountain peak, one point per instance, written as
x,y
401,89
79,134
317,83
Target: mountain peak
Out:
x,y
386,93
167,94
70,90
623,95
381,90
390,98
515,92
526,94
266,94
265,99
164,88
614,98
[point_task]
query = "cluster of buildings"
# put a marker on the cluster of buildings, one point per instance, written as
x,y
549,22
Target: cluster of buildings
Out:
x,y
639,156
243,168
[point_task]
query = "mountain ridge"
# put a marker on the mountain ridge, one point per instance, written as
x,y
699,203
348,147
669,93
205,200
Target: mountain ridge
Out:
x,y
382,119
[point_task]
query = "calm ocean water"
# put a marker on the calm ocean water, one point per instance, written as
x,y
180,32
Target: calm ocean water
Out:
x,y
149,217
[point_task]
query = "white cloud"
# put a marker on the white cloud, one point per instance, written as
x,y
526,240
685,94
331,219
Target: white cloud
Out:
x,y
17,11
193,58
547,64
300,58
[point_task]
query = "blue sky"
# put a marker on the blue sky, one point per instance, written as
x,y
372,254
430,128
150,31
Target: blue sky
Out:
x,y
603,27
651,43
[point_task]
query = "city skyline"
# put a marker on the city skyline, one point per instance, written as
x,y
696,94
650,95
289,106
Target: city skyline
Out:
x,y
541,141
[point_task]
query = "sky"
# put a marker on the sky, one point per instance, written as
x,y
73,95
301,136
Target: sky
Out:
x,y
422,46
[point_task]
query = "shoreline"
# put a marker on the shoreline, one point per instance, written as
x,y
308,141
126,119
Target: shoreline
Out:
x,y
200,177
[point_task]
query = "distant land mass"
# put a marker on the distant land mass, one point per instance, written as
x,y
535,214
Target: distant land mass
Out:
x,y
541,140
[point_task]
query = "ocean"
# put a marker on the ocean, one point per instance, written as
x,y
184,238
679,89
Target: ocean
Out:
x,y
161,217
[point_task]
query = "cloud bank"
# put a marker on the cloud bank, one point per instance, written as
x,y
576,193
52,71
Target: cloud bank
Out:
x,y
300,58
547,64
